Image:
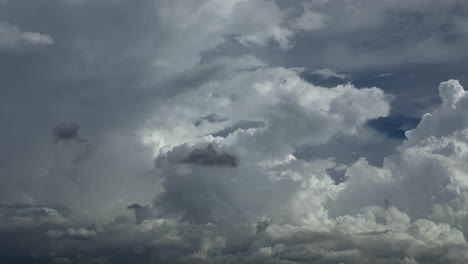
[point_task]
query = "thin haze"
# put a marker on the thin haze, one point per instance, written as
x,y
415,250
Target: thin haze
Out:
x,y
233,131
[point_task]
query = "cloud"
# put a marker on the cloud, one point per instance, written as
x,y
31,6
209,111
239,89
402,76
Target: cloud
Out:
x,y
389,237
30,216
356,207
241,125
384,75
212,179
310,19
224,150
11,37
210,157
72,233
211,118
431,157
327,73
202,155
70,132
312,113
66,131
365,35
142,212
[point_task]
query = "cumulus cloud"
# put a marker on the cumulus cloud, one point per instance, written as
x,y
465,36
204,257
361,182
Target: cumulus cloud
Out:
x,y
429,166
277,96
208,130
221,188
375,235
373,204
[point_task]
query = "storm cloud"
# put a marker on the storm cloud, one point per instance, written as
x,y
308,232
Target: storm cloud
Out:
x,y
66,131
233,131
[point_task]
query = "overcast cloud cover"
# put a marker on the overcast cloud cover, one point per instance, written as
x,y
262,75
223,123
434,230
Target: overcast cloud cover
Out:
x,y
234,131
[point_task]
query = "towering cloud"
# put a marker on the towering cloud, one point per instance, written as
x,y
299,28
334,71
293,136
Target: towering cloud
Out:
x,y
233,131
429,166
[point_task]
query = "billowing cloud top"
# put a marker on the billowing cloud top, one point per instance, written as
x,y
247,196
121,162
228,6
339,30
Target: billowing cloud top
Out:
x,y
239,131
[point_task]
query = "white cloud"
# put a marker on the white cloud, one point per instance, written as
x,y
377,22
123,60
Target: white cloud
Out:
x,y
375,205
292,112
230,190
253,23
326,73
426,179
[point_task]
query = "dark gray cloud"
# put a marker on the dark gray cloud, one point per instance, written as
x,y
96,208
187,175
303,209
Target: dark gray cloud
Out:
x,y
202,156
66,131
212,118
262,226
210,157
142,212
338,175
215,244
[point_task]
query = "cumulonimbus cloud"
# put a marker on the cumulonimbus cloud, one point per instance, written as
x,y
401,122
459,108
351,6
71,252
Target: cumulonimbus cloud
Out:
x,y
198,115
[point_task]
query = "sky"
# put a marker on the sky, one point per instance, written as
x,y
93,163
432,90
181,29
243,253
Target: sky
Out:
x,y
233,131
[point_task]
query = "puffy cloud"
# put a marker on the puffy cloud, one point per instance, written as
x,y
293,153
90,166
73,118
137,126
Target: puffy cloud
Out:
x,y
277,96
292,112
225,152
375,236
431,157
429,165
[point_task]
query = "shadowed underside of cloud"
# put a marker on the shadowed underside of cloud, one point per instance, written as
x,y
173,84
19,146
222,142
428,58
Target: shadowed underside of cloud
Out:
x,y
66,131
210,157
393,239
202,156
212,118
